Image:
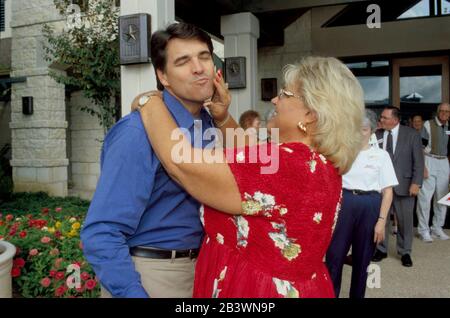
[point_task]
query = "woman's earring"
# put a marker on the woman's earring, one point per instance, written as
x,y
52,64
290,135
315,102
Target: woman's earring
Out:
x,y
302,127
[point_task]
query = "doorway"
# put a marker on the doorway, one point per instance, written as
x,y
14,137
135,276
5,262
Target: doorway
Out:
x,y
420,84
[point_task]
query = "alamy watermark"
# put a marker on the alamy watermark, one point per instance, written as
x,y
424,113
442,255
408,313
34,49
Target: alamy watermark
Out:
x,y
208,147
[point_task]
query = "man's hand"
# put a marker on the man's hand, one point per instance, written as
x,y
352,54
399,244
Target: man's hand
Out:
x,y
425,173
414,190
220,102
136,101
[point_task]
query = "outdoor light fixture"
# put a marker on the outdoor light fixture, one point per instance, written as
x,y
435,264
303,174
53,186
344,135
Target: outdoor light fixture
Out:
x,y
27,105
135,32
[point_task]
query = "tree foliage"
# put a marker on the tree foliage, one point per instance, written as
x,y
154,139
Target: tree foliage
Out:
x,y
88,49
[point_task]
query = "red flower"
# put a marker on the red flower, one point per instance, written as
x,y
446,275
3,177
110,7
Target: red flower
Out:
x,y
15,272
1,237
23,234
1,223
60,275
58,234
12,232
29,216
19,262
60,291
58,209
80,289
45,282
18,251
52,273
44,211
90,284
9,217
85,276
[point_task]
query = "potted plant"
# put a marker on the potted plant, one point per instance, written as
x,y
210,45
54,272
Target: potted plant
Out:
x,y
7,252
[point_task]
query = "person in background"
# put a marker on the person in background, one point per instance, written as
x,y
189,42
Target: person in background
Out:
x,y
405,149
436,181
365,207
417,124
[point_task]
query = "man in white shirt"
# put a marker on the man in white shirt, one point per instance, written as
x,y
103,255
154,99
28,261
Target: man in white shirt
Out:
x,y
436,176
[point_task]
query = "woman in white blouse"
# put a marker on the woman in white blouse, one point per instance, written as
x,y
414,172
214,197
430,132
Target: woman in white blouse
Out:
x,y
367,197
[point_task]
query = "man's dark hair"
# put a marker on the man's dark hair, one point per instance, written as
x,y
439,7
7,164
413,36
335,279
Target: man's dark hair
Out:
x,y
161,38
395,111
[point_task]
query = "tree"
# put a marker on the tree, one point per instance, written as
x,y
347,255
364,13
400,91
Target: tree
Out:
x,y
88,48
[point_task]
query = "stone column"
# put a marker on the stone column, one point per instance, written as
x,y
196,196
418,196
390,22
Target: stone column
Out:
x,y
241,32
136,79
39,158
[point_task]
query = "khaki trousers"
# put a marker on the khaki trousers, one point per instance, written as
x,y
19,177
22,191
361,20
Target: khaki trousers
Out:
x,y
164,278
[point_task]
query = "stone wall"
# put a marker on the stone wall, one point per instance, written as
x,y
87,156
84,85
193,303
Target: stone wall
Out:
x,y
85,139
39,156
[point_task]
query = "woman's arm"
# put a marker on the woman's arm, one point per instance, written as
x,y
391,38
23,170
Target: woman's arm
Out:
x,y
386,201
210,183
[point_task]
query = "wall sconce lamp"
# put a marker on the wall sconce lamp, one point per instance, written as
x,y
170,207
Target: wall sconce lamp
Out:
x,y
27,105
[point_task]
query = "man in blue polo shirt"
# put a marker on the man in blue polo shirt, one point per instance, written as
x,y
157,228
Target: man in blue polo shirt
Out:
x,y
143,231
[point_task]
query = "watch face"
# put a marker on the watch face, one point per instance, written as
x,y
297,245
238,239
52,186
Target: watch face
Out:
x,y
143,100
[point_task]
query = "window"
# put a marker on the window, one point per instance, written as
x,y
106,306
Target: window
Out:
x,y
374,79
421,9
2,15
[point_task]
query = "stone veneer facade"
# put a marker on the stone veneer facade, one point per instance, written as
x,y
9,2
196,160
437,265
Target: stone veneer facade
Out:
x,y
41,142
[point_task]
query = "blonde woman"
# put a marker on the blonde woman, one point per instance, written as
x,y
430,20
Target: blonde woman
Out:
x,y
267,233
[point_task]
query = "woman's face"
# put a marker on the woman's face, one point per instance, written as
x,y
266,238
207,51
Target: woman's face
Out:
x,y
417,122
290,109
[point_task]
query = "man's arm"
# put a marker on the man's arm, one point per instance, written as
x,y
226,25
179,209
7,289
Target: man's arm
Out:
x,y
121,196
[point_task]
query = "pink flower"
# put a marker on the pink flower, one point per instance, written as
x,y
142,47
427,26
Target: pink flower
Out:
x,y
9,217
45,240
34,252
85,276
58,209
58,262
90,284
54,252
45,282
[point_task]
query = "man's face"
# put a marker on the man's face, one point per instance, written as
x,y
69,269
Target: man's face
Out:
x,y
189,70
444,113
417,123
387,121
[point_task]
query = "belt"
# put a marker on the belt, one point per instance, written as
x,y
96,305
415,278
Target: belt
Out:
x,y
361,192
435,156
149,252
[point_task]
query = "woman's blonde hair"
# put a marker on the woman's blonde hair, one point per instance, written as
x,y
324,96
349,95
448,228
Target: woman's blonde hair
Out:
x,y
333,93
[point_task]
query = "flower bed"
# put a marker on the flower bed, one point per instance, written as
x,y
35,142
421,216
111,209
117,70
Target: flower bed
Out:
x,y
49,261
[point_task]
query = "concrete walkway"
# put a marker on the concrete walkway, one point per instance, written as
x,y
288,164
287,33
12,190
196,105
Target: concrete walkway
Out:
x,y
429,276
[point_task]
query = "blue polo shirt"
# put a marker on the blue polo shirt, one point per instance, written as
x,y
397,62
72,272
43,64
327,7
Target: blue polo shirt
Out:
x,y
137,204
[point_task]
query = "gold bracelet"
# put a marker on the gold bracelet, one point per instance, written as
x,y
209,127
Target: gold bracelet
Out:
x,y
218,125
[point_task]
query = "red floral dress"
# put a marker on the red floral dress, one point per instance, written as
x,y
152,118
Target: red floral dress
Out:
x,y
277,248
